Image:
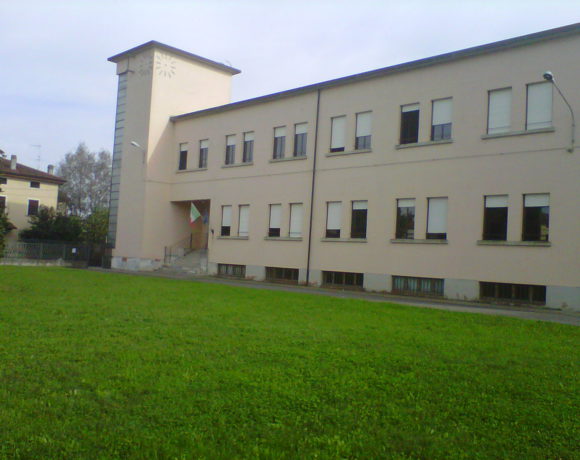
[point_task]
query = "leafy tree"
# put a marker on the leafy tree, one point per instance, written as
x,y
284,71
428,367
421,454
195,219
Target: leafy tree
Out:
x,y
5,224
95,226
88,176
52,225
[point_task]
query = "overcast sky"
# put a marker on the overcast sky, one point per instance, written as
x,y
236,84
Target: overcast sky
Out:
x,y
57,88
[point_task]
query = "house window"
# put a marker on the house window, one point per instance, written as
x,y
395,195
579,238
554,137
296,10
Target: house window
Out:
x,y
437,219
295,220
358,221
35,184
275,220
536,223
279,142
405,219
182,156
32,208
203,149
282,275
409,124
499,112
495,218
539,108
248,155
244,220
226,220
411,285
235,271
518,293
333,212
3,180
363,131
337,134
343,279
2,204
441,119
230,149
300,134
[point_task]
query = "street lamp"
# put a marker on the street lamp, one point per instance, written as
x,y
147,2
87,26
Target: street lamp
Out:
x,y
549,76
136,145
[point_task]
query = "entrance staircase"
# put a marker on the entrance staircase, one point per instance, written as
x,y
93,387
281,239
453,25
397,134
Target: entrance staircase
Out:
x,y
192,263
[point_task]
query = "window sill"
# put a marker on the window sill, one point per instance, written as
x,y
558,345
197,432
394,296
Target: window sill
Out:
x,y
181,171
344,240
423,144
350,152
235,237
412,241
279,160
518,133
536,244
235,165
283,238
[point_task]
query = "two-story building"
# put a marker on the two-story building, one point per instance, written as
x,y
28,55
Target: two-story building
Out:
x,y
454,176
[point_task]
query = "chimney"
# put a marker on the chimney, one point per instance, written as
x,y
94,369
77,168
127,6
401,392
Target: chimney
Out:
x,y
13,162
50,169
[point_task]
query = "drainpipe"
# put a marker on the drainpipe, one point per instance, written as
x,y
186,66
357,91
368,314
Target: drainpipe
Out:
x,y
312,188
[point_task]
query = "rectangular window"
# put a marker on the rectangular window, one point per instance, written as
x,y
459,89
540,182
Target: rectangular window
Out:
x,y
499,112
248,155
32,208
405,219
495,218
536,223
279,142
182,156
244,220
3,180
230,149
363,130
282,275
236,271
295,220
343,279
539,109
35,184
300,133
333,212
513,293
437,219
226,220
203,149
409,124
358,221
441,119
337,134
275,220
2,204
411,285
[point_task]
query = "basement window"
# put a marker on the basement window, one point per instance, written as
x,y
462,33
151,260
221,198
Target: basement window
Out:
x,y
282,275
513,293
234,271
412,285
345,280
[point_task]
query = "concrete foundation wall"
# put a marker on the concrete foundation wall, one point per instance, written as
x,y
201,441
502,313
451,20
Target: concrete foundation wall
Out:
x,y
255,272
376,282
135,264
457,289
564,297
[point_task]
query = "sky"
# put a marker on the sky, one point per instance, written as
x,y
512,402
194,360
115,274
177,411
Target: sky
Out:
x,y
57,88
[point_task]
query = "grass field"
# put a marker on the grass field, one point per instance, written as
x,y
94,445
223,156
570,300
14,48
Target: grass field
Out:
x,y
96,365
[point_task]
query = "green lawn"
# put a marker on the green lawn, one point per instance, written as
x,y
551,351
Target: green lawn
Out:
x,y
96,365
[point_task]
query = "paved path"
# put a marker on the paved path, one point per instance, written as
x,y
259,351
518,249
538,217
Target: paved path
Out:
x,y
530,313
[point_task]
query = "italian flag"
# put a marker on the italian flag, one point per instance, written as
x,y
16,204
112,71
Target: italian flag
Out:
x,y
193,214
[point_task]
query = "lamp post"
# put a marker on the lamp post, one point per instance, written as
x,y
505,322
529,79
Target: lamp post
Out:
x,y
549,76
136,145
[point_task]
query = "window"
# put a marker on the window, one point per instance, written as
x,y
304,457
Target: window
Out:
x,y
230,149
333,212
226,220
495,218
411,285
248,155
343,279
536,223
363,131
358,221
279,142
441,119
275,219
499,112
437,219
236,271
2,204
244,220
32,208
182,156
539,109
525,293
300,133
203,149
409,124
3,180
283,275
338,126
35,184
295,220
405,219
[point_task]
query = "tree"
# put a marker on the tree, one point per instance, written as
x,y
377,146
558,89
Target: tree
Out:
x,y
95,227
88,176
52,225
5,224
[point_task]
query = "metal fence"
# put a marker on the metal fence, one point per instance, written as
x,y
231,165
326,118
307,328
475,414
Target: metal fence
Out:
x,y
46,251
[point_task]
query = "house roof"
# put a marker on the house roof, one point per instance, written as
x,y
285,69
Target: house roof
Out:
x,y
26,172
194,57
502,45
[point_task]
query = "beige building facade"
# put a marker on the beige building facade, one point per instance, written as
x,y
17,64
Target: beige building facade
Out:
x,y
454,176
